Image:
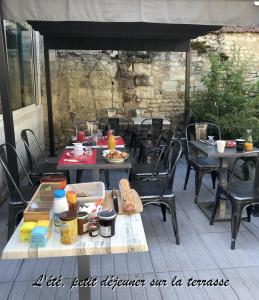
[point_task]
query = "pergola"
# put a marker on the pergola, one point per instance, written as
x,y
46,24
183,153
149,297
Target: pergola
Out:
x,y
155,25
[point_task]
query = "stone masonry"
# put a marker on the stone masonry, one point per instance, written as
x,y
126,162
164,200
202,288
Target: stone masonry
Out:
x,y
88,82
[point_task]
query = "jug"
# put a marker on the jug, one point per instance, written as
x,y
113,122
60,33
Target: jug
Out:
x,y
78,149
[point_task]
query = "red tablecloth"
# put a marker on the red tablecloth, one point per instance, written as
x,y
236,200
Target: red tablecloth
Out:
x,y
68,158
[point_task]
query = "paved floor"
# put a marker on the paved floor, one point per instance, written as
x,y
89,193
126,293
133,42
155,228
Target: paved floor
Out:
x,y
204,253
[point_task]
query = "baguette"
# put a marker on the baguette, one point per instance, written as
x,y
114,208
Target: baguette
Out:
x,y
128,202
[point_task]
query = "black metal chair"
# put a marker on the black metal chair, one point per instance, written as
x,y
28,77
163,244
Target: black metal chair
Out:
x,y
158,190
200,164
76,123
19,195
38,167
240,193
158,158
150,130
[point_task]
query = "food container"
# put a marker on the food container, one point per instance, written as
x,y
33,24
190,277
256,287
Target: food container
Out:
x,y
107,222
25,231
240,145
82,222
60,205
68,227
47,224
87,191
39,236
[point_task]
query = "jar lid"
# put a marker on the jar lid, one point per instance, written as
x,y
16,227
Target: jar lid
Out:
x,y
67,215
106,214
59,193
82,215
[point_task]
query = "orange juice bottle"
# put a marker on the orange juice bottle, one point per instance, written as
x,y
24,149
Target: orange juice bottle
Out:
x,y
111,142
249,141
72,201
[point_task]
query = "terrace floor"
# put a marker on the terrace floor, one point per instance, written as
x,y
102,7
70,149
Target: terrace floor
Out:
x,y
204,253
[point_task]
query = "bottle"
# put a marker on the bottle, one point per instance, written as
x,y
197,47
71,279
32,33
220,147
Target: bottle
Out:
x,y
72,201
111,142
248,141
59,205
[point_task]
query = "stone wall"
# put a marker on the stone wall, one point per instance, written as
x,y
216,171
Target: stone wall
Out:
x,y
88,82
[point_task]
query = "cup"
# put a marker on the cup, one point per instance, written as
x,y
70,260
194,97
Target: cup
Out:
x,y
240,145
78,149
211,139
81,136
221,146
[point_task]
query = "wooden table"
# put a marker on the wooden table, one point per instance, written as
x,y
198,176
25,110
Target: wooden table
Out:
x,y
101,164
138,121
223,213
129,237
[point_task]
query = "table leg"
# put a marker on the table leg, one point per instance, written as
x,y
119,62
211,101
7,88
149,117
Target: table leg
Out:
x,y
96,175
83,272
223,212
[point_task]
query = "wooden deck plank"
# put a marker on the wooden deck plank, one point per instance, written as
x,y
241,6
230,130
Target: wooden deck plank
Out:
x,y
120,264
12,267
106,292
123,292
136,291
67,266
106,263
133,263
152,293
5,288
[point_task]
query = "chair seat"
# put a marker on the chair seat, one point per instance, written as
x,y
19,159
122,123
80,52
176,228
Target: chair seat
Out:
x,y
205,162
151,189
147,169
240,190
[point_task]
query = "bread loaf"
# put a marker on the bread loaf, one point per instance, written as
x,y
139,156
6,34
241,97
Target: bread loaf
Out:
x,y
128,202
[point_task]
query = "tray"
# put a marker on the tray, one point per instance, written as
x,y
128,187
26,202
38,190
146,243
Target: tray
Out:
x,y
95,190
40,206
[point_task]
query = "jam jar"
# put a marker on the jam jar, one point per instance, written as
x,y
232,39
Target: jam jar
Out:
x,y
82,222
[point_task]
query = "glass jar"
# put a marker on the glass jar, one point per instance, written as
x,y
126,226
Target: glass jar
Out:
x,y
111,142
68,227
82,222
248,141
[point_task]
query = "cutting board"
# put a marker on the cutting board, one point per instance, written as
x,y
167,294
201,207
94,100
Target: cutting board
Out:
x,y
108,202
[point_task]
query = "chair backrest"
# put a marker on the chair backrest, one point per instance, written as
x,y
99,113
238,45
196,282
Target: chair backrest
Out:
x,y
33,161
113,124
250,158
175,150
12,185
113,112
200,131
157,126
75,122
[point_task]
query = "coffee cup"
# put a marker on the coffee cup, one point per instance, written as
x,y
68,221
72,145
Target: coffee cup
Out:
x,y
221,146
240,145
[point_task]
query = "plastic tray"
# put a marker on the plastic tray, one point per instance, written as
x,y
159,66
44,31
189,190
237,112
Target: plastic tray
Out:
x,y
94,191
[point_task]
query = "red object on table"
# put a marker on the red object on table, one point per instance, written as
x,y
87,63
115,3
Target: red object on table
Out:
x,y
104,142
68,158
81,136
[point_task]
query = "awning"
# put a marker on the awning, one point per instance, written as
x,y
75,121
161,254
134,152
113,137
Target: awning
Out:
x,y
195,12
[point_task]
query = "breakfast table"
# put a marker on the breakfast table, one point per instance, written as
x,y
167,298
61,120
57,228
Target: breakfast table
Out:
x,y
129,237
223,212
94,162
101,142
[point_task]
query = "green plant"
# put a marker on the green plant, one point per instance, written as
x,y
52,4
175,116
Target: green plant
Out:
x,y
228,99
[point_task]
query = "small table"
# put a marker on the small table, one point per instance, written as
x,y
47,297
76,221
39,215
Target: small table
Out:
x,y
138,121
129,237
211,151
100,164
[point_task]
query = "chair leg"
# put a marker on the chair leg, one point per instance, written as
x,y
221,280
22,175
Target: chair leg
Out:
x,y
13,213
107,179
217,198
213,178
163,209
79,174
235,223
248,211
68,176
187,175
198,181
174,220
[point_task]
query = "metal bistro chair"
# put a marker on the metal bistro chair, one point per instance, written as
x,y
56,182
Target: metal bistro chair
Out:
x,y
200,164
158,190
77,125
149,133
158,159
241,194
37,169
19,195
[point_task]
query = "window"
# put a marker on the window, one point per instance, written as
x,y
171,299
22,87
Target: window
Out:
x,y
20,59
